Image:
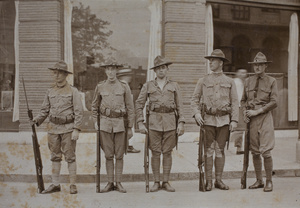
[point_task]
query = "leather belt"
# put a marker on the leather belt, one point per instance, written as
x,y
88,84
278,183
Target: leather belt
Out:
x,y
163,109
61,119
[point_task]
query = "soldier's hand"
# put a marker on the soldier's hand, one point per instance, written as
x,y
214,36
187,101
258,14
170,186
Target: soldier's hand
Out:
x,y
180,129
199,119
142,128
232,125
129,133
246,118
32,122
251,113
75,134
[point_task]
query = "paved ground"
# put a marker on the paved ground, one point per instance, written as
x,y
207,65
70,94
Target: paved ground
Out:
x,y
17,164
286,194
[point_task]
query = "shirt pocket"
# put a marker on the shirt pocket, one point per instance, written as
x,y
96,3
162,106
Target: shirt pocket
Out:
x,y
170,95
153,95
264,94
53,100
208,90
225,89
249,92
66,99
119,98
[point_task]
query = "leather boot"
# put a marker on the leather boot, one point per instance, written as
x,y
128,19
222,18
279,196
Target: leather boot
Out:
x,y
208,185
220,185
51,189
131,149
269,186
155,187
166,186
109,187
257,184
120,188
73,189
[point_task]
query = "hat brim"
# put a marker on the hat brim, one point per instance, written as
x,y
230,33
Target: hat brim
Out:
x,y
166,63
60,70
260,62
219,57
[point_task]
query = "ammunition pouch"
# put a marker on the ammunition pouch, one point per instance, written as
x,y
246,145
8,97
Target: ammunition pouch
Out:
x,y
161,108
62,119
112,113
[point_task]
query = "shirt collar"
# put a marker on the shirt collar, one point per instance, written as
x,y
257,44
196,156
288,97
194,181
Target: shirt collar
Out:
x,y
61,86
217,73
155,81
261,76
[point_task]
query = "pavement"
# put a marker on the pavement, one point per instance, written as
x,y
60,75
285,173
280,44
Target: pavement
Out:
x,y
17,162
286,193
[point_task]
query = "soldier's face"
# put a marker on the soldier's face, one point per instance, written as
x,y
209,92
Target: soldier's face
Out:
x,y
161,71
259,68
111,73
215,64
59,76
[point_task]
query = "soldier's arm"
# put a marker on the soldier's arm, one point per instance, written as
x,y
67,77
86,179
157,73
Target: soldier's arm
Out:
x,y
234,103
78,109
195,101
95,103
140,103
44,112
273,98
129,106
179,104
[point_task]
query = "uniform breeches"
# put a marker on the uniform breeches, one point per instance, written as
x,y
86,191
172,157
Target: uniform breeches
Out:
x,y
162,142
262,138
62,144
113,145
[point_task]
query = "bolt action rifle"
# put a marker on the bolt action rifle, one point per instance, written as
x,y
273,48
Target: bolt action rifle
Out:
x,y
146,150
202,154
36,148
246,157
98,165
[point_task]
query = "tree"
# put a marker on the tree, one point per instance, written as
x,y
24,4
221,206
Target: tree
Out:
x,y
89,37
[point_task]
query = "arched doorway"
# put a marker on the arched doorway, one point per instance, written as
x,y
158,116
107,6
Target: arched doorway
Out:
x,y
240,52
271,47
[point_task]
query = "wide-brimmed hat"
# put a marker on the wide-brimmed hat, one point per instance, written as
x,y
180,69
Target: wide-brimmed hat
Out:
x,y
260,58
159,61
61,66
115,64
217,53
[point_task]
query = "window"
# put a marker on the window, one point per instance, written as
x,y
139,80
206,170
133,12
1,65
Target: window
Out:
x,y
240,13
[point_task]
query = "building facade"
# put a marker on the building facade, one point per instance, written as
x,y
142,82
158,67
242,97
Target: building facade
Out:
x,y
32,39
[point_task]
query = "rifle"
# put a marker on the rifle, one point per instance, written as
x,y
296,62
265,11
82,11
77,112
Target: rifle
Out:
x,y
126,132
36,148
201,154
146,151
176,119
246,158
98,165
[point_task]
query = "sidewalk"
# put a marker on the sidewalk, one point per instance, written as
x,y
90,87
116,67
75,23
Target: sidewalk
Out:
x,y
17,163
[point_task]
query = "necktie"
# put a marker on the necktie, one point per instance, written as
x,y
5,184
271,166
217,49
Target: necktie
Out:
x,y
256,86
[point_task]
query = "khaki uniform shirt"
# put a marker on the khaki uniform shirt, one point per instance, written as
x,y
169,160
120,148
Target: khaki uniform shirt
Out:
x,y
169,97
115,96
266,93
216,91
61,101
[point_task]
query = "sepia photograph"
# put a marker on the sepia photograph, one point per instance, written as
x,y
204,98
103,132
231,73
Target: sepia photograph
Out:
x,y
149,103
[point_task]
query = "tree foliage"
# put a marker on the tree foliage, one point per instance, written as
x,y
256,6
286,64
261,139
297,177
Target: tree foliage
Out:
x,y
89,37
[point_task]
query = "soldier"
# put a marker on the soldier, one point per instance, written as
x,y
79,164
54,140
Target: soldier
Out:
x,y
259,99
115,104
126,76
218,97
164,99
63,105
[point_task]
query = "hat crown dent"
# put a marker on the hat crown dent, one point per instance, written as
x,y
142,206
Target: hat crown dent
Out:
x,y
218,53
160,60
260,58
61,66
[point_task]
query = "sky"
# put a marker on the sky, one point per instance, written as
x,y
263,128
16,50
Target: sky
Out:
x,y
130,23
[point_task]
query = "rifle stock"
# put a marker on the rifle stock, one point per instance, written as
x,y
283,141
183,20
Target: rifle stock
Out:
x,y
36,148
146,152
201,160
98,165
246,158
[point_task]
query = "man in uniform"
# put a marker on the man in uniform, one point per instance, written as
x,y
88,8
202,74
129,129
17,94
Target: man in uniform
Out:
x,y
217,94
63,105
115,104
164,99
126,76
259,99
